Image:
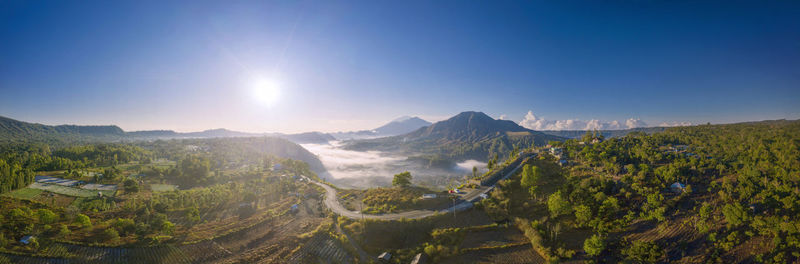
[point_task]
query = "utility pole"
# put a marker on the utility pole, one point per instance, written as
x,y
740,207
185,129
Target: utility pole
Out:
x,y
454,208
363,223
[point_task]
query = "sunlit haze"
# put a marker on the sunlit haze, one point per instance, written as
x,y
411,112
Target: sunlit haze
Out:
x,y
400,131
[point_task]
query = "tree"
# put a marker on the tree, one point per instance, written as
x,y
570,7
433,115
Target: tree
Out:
x,y
46,216
193,215
167,227
402,179
558,204
124,226
430,250
83,220
583,214
530,175
130,185
735,214
474,172
594,245
110,234
643,252
63,230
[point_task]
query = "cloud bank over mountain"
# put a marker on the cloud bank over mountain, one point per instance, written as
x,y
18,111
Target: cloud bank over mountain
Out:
x,y
531,121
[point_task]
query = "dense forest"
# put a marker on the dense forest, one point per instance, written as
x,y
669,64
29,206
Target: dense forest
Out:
x,y
735,187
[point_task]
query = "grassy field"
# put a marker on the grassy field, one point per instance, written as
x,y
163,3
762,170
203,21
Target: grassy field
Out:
x,y
162,187
24,193
69,191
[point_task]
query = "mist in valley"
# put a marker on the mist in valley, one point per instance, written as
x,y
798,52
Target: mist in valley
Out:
x,y
364,169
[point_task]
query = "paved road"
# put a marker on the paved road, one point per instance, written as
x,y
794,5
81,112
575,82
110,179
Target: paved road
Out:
x,y
467,200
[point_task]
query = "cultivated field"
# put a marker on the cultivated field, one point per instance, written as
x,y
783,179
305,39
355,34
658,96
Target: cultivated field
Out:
x,y
24,193
69,191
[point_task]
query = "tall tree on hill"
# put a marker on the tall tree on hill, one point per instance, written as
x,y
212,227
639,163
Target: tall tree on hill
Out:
x,y
402,179
530,177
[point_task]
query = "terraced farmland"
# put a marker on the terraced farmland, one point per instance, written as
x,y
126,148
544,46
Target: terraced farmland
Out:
x,y
321,249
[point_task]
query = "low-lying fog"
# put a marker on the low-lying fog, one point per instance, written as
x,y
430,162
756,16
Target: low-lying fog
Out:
x,y
363,169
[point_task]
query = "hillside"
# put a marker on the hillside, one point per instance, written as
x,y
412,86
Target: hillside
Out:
x,y
468,135
15,130
11,130
281,145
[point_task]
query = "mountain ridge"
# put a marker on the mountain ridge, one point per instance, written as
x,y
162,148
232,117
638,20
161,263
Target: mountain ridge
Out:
x,y
398,126
467,135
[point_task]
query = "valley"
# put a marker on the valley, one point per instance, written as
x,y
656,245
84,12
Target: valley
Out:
x,y
397,132
244,199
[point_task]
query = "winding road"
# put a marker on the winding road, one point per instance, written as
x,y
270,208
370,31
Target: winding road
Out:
x,y
466,202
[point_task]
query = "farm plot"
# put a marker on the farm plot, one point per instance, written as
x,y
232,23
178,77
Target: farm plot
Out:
x,y
24,193
100,187
515,254
54,180
54,199
69,191
492,238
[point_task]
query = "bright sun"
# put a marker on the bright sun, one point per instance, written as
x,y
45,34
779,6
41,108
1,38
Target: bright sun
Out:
x,y
266,92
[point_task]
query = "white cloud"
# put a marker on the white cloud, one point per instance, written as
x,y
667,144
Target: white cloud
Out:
x,y
534,122
502,117
634,123
673,124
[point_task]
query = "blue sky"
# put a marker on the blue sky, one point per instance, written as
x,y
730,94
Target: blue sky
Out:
x,y
342,65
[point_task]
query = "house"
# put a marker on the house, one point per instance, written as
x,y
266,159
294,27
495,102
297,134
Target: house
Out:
x,y
276,167
385,257
562,162
677,187
429,196
26,240
556,151
418,259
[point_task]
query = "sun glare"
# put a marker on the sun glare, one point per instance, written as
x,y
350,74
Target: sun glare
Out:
x,y
266,92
